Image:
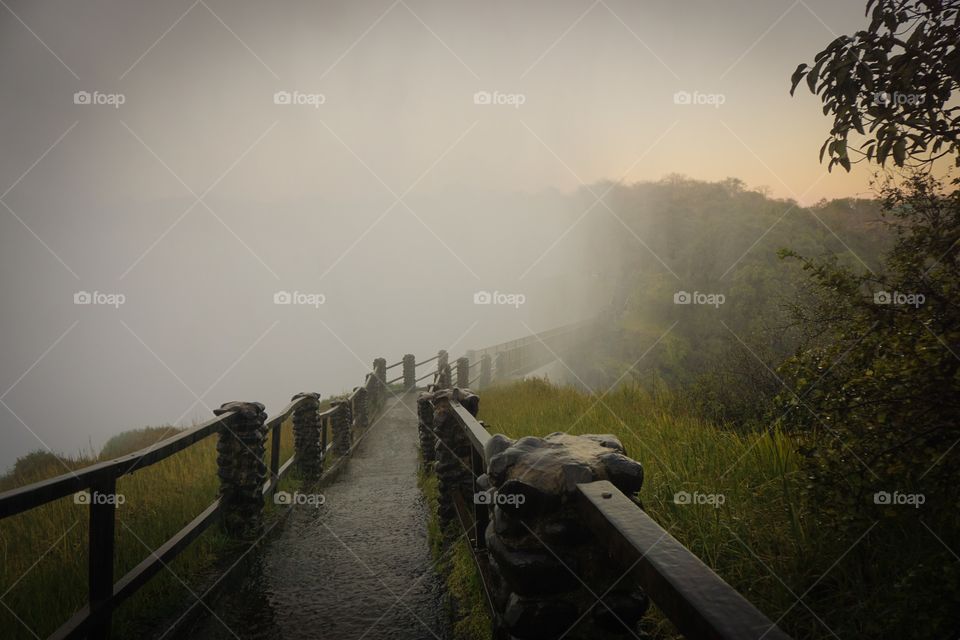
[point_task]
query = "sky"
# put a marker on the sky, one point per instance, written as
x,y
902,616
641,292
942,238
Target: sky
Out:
x,y
188,161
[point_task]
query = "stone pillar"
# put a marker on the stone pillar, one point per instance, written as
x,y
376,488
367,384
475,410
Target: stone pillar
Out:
x,y
500,366
463,373
359,409
453,450
425,428
380,373
340,425
306,436
444,380
409,371
443,359
486,373
370,384
535,524
240,466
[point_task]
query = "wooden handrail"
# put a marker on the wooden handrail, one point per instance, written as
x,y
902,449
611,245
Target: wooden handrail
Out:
x,y
427,360
427,375
477,435
33,495
105,595
698,601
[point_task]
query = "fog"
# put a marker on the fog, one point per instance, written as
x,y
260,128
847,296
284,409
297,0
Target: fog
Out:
x,y
392,191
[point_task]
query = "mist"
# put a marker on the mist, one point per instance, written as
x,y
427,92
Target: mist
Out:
x,y
429,151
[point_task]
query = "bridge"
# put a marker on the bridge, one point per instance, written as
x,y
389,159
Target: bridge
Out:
x,y
560,543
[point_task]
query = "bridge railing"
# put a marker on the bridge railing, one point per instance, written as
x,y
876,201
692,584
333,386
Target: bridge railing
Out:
x,y
245,479
695,599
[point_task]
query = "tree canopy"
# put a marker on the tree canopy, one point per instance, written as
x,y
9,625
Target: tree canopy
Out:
x,y
892,84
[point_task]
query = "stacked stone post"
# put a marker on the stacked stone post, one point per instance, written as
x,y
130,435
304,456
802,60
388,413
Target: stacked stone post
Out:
x,y
443,360
486,373
306,436
409,371
380,373
340,422
425,428
361,419
370,384
463,372
453,450
241,469
445,379
542,553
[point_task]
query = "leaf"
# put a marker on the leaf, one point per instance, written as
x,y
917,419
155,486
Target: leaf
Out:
x,y
900,151
813,75
797,77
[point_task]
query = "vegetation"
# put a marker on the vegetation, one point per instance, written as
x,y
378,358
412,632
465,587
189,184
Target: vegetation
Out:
x,y
43,576
892,84
717,239
846,353
455,565
764,539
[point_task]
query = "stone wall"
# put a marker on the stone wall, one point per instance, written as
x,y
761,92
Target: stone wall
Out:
x,y
241,468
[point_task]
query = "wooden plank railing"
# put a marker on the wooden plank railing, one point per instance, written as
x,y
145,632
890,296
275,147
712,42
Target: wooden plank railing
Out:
x,y
104,594
698,601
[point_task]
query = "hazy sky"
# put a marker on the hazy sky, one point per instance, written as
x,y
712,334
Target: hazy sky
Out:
x,y
149,150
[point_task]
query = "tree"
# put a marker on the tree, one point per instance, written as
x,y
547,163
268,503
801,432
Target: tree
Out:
x,y
892,84
876,403
873,393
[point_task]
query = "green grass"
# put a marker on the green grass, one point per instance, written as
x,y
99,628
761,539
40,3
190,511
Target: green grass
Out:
x,y
467,603
43,574
765,540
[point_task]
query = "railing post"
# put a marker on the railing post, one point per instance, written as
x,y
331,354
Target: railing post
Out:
x,y
359,408
443,360
370,384
425,428
409,371
380,373
275,453
306,436
485,371
444,377
103,508
241,469
340,421
463,372
324,428
543,552
453,451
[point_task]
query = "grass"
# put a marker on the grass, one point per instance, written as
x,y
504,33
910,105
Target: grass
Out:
x,y
43,575
468,607
765,539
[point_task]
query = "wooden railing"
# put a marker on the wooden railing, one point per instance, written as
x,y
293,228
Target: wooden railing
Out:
x,y
94,619
698,602
519,357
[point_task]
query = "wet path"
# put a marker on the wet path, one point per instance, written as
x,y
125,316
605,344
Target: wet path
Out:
x,y
336,570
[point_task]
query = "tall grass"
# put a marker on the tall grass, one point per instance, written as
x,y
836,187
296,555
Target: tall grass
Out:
x,y
467,604
765,539
43,576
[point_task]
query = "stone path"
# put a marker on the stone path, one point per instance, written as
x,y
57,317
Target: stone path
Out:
x,y
356,567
